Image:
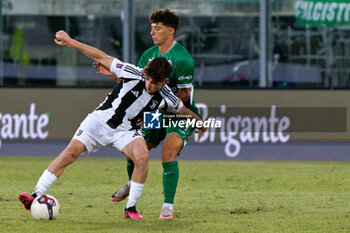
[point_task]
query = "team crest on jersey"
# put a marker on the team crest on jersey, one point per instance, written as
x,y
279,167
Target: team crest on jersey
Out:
x,y
154,104
151,120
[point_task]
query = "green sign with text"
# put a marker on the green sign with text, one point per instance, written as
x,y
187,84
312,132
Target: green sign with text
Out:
x,y
235,1
322,12
239,1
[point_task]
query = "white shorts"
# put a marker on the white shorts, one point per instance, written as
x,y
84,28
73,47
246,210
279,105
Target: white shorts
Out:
x,y
94,135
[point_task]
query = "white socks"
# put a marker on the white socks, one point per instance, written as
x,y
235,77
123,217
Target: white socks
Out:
x,y
44,183
169,205
48,178
134,193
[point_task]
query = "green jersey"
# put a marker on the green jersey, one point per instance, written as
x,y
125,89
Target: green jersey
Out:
x,y
183,68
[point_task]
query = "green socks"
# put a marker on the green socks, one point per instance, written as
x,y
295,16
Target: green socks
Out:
x,y
170,179
130,167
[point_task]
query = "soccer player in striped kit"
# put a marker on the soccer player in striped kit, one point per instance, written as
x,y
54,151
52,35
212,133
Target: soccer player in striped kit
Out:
x,y
164,24
116,122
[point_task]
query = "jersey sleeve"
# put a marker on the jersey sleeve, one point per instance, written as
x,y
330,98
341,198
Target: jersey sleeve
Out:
x,y
184,74
170,102
126,71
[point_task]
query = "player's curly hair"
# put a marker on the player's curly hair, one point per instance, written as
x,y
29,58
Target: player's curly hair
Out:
x,y
167,17
158,68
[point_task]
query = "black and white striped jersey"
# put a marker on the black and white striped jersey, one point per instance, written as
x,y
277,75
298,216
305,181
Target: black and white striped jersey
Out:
x,y
125,105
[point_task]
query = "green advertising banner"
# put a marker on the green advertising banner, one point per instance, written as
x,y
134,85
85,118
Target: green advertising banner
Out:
x,y
235,1
322,12
238,1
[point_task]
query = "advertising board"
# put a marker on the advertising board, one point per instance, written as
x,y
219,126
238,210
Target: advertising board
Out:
x,y
248,117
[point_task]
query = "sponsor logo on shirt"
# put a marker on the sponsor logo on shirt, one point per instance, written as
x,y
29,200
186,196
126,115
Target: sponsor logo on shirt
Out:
x,y
185,77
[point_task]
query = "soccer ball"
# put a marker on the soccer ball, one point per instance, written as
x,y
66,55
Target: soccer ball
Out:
x,y
45,207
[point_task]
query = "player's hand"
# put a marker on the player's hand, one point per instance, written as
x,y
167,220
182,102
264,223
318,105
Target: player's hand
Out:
x,y
62,38
139,122
101,69
104,71
200,132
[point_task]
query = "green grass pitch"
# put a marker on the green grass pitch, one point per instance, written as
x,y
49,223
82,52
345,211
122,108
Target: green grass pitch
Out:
x,y
212,196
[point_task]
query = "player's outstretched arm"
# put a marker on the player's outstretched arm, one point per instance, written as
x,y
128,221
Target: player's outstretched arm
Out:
x,y
63,39
192,115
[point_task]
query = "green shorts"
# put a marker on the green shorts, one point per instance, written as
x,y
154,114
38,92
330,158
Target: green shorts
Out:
x,y
155,136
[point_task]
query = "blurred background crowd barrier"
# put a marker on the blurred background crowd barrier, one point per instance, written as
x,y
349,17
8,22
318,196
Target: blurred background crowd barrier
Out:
x,y
256,124
235,43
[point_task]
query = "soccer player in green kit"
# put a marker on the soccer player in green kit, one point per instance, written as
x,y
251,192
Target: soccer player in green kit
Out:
x,y
164,24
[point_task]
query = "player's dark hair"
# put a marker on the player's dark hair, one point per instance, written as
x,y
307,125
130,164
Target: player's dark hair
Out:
x,y
158,69
166,17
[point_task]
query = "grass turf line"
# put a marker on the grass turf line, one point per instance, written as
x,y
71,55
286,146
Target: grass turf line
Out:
x,y
212,196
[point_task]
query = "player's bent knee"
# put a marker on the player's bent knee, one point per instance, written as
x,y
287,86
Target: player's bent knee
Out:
x,y
71,153
68,156
169,154
141,159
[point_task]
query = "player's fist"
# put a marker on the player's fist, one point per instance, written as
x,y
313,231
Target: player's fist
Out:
x,y
62,38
